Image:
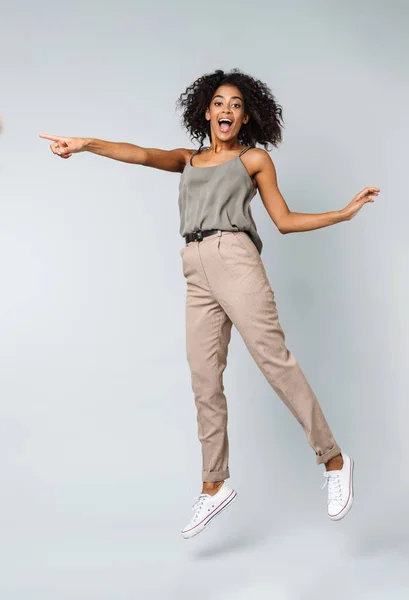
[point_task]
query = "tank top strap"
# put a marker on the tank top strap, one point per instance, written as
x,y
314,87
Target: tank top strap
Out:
x,y
245,150
194,154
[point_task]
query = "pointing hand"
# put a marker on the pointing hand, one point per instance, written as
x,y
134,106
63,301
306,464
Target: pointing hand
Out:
x,y
65,146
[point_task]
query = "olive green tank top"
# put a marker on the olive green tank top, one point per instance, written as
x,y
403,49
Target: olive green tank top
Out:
x,y
217,197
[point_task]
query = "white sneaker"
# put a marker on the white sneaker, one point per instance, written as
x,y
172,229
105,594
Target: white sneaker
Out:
x,y
206,507
340,489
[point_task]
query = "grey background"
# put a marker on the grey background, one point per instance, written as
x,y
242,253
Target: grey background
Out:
x,y
98,441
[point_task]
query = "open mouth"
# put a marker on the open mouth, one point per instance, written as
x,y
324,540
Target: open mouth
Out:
x,y
225,125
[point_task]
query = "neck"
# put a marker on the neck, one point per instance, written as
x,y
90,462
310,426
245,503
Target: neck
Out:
x,y
220,147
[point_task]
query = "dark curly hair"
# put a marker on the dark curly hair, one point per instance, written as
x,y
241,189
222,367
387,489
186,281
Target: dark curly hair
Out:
x,y
265,123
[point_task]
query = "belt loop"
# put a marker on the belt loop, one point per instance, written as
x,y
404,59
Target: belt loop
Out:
x,y
219,235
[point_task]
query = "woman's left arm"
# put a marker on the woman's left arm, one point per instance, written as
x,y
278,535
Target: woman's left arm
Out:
x,y
288,221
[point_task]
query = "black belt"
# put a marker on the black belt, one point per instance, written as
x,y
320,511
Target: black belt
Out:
x,y
199,234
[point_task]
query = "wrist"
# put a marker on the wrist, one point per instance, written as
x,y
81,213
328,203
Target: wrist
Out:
x,y
86,144
342,214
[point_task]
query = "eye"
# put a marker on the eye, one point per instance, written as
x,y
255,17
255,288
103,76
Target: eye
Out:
x,y
217,102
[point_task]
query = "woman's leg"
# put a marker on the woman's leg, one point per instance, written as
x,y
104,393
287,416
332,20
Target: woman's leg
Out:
x,y
239,281
208,333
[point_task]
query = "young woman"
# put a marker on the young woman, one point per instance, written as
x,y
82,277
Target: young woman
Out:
x,y
226,279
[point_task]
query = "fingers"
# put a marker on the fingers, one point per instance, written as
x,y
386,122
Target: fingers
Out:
x,y
53,138
59,145
63,151
62,146
368,191
367,195
55,148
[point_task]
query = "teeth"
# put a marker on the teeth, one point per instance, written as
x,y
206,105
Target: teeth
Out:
x,y
225,121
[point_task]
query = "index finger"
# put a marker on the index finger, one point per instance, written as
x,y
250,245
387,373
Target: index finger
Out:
x,y
53,138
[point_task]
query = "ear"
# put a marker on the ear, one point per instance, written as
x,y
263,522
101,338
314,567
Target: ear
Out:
x,y
207,114
246,119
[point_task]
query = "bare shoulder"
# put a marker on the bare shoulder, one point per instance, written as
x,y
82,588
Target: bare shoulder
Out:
x,y
183,156
256,160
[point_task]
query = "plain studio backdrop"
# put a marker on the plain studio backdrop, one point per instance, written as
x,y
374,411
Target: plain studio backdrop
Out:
x,y
98,436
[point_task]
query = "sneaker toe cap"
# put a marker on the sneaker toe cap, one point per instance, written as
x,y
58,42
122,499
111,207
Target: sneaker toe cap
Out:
x,y
334,508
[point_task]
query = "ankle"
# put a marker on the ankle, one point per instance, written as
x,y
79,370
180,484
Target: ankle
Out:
x,y
335,464
211,487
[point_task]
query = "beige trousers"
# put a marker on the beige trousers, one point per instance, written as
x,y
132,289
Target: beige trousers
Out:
x,y
227,284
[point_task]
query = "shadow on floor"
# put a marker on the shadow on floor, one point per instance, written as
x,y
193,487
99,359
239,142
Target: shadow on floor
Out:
x,y
236,543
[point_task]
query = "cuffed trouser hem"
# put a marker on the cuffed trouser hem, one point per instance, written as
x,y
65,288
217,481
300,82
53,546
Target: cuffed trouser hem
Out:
x,y
323,458
212,476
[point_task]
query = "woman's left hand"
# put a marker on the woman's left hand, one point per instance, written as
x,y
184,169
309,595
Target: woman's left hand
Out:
x,y
367,195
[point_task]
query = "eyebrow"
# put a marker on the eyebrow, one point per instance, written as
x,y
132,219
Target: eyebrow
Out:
x,y
220,96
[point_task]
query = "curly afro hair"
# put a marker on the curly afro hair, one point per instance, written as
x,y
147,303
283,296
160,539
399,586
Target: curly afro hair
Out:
x,y
265,123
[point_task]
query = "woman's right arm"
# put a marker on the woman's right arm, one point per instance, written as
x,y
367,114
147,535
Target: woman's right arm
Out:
x,y
166,160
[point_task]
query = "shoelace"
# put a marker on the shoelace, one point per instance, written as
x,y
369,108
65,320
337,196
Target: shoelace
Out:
x,y
333,480
198,501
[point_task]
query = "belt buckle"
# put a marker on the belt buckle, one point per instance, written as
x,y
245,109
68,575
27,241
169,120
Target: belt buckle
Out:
x,y
198,235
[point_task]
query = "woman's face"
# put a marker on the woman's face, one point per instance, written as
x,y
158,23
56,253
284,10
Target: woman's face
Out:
x,y
226,113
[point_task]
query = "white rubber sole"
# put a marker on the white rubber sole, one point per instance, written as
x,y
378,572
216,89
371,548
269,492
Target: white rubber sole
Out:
x,y
206,522
348,505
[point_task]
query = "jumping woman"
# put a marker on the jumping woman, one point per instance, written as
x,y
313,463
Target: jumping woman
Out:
x,y
226,279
